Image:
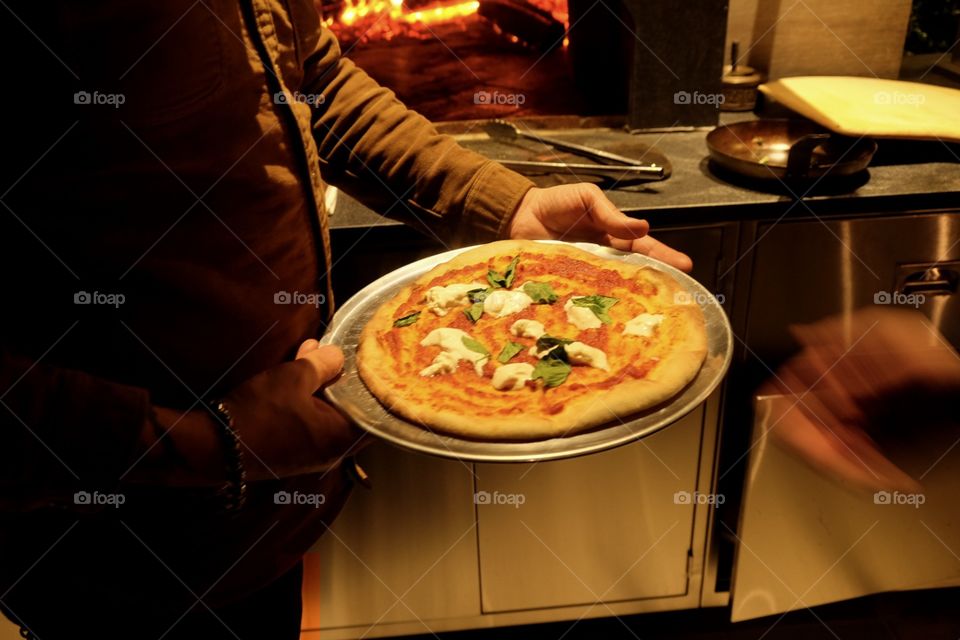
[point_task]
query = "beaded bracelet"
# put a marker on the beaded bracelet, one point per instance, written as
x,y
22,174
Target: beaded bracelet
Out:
x,y
235,489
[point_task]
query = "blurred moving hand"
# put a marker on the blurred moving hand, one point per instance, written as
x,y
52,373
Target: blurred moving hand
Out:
x,y
581,212
875,372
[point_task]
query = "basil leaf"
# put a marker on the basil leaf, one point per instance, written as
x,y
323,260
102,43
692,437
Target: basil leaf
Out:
x,y
552,372
503,280
509,351
474,312
511,272
475,346
554,347
478,295
407,320
600,305
540,292
546,341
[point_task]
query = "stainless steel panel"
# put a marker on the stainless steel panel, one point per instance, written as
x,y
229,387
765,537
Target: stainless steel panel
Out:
x,y
807,540
602,528
804,271
405,550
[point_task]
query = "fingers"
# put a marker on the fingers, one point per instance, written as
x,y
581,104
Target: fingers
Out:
x,y
657,250
337,435
608,217
325,362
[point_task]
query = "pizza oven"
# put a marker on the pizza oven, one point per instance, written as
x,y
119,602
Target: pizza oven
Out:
x,y
481,59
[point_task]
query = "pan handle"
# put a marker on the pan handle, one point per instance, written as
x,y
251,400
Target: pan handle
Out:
x,y
800,156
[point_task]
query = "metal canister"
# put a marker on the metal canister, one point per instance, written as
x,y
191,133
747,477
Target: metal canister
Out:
x,y
739,84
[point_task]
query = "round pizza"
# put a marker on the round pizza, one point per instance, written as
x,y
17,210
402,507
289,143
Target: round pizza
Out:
x,y
522,340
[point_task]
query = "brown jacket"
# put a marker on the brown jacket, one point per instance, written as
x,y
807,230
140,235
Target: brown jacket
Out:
x,y
175,153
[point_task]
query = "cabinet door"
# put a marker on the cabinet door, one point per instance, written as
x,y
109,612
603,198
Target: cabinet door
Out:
x,y
607,527
805,539
405,550
804,271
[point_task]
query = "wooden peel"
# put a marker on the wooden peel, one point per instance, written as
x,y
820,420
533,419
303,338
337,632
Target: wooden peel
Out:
x,y
872,107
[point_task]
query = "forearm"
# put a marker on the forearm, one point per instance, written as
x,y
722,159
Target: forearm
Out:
x,y
178,448
64,431
61,428
395,161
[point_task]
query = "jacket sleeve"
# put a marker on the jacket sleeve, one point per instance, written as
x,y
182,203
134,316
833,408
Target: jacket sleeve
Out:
x,y
393,159
62,431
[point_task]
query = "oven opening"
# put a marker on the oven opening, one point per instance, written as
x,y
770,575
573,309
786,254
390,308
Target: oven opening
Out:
x,y
482,59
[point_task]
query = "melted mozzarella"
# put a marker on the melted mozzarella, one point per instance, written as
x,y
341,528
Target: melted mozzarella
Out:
x,y
441,299
511,377
527,329
581,317
581,353
445,362
451,341
502,302
643,325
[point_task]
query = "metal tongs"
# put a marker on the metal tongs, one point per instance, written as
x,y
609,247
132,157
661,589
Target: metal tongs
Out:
x,y
614,166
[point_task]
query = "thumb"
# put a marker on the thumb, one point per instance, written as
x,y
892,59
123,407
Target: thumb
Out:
x,y
324,361
608,218
307,347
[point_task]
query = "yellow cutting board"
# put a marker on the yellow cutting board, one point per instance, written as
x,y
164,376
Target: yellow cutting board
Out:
x,y
872,107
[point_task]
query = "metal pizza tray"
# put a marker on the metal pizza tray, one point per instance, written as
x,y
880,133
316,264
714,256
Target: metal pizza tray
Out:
x,y
350,394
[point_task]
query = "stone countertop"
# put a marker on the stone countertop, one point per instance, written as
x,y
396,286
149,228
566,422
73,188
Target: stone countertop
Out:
x,y
900,169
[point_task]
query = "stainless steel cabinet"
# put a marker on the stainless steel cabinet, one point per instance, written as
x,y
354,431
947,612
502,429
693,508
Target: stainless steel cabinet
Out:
x,y
804,271
612,533
403,551
603,528
843,543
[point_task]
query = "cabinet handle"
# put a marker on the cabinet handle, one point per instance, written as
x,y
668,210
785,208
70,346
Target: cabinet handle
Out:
x,y
934,281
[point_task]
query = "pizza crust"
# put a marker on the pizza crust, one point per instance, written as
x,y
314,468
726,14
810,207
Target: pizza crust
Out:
x,y
587,410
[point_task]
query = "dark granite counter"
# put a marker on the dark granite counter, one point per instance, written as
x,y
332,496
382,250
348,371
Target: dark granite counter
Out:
x,y
903,176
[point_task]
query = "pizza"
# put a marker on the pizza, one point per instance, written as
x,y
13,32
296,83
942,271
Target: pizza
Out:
x,y
522,340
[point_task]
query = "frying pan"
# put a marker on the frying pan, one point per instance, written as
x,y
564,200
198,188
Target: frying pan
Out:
x,y
769,149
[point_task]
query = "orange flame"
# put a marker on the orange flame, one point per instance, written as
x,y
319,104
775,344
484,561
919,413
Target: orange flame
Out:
x,y
385,19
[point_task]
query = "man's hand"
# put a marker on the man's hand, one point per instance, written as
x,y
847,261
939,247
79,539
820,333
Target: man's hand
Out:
x,y
288,430
285,430
581,212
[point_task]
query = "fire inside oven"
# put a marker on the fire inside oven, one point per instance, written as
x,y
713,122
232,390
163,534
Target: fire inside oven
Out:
x,y
462,59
